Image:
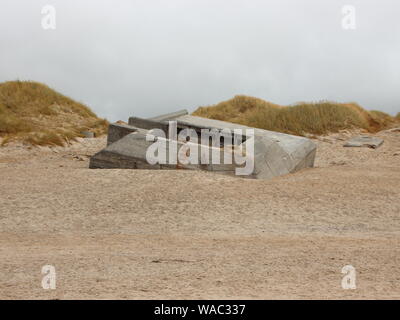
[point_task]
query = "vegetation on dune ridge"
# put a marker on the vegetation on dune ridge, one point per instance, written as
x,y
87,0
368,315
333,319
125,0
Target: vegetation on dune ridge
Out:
x,y
33,113
299,119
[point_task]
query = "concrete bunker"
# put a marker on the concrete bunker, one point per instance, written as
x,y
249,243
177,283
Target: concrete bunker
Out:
x,y
271,153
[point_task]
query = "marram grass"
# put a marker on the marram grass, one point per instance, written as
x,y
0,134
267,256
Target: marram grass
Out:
x,y
33,113
299,119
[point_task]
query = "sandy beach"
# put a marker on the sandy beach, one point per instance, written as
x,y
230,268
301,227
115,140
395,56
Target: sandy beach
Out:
x,y
139,234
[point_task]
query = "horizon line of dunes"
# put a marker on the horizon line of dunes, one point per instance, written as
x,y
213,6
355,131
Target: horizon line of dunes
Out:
x,y
35,114
299,119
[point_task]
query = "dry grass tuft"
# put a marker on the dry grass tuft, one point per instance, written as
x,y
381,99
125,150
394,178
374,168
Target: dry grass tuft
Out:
x,y
299,119
35,114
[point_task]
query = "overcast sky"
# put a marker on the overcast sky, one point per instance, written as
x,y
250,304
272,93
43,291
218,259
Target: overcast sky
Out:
x,y
125,57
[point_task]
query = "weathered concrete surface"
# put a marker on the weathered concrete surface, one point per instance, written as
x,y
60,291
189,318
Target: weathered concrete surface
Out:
x,y
170,116
283,153
148,124
130,153
117,131
364,141
275,153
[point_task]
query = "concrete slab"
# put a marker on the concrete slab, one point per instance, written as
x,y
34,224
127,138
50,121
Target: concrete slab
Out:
x,y
364,141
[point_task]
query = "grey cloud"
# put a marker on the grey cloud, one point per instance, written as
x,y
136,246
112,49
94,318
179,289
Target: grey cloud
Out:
x,y
149,57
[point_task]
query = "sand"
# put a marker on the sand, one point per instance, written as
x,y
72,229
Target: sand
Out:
x,y
138,234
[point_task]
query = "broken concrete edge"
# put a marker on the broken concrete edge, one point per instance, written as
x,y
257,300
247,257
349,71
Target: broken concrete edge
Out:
x,y
170,116
148,124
